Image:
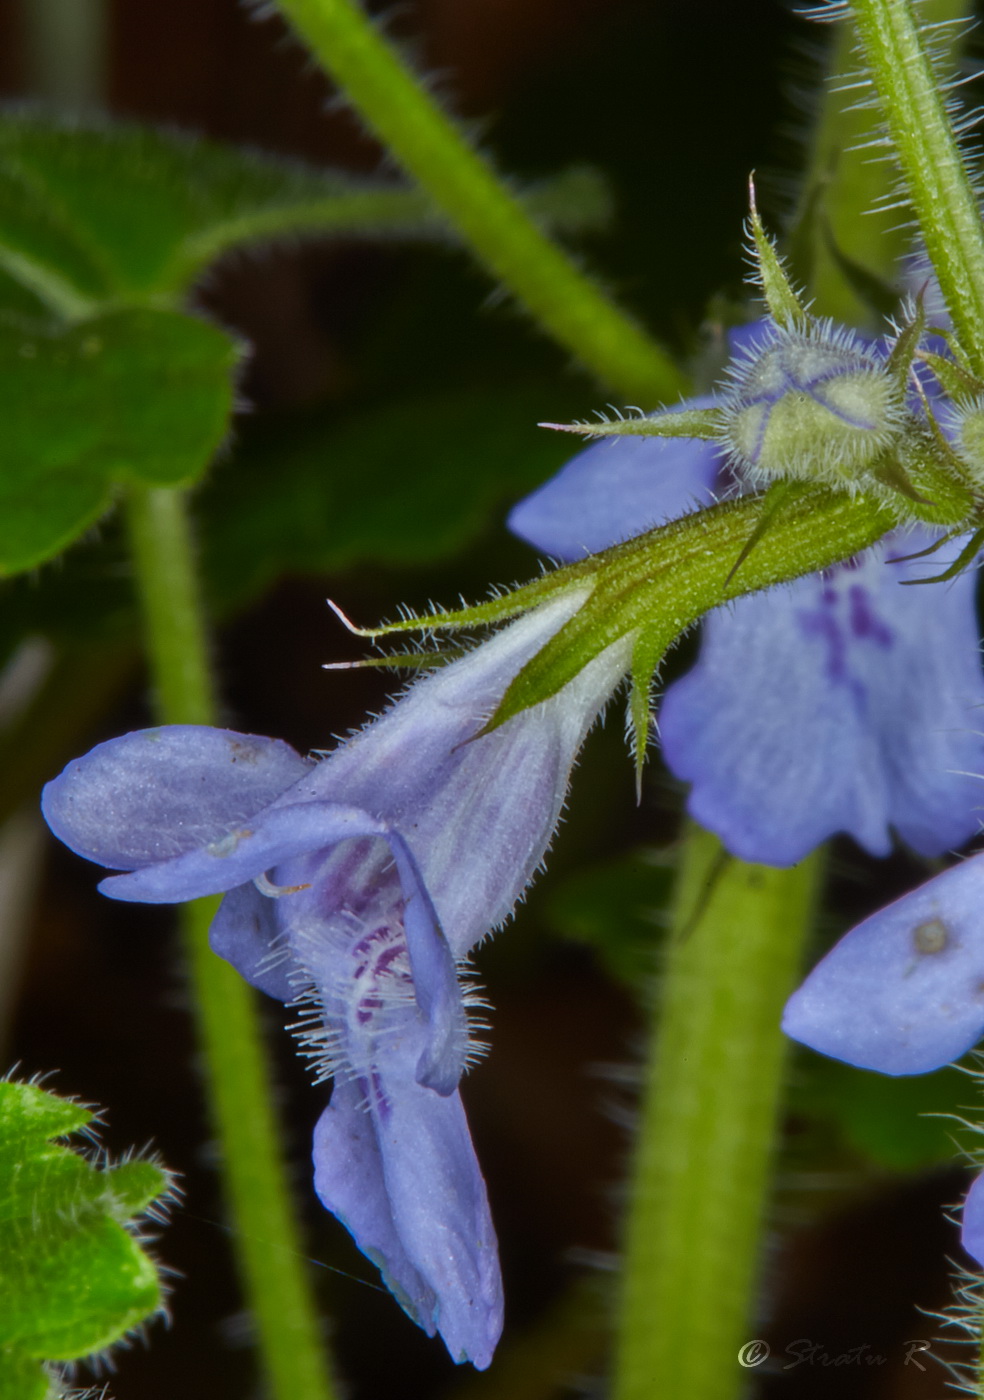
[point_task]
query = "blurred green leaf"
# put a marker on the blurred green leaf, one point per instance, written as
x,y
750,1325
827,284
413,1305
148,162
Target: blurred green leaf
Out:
x,y
619,908
73,1278
131,396
901,1124
21,1378
91,215
411,481
403,481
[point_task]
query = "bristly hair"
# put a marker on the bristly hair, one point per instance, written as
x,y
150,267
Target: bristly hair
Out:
x,y
940,41
962,1320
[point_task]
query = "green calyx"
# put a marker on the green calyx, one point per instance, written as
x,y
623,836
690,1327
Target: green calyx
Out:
x,y
653,588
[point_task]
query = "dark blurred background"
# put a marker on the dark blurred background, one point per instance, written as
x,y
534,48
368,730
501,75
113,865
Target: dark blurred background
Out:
x,y
674,103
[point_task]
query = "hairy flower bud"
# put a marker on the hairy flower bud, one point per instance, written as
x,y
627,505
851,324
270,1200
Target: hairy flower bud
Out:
x,y
813,404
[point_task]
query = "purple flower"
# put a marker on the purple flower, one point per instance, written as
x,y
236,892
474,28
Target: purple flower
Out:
x,y
842,702
354,888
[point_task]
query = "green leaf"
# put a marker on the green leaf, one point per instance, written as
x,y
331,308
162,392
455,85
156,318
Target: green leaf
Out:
x,y
878,295
619,908
903,1124
73,1278
134,396
399,482
91,215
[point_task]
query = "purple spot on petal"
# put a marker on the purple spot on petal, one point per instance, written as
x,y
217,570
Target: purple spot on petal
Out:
x,y
376,1095
821,622
865,622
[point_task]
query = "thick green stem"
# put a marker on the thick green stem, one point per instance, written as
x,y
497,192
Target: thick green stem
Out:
x,y
708,1124
267,1240
842,221
66,48
926,146
491,221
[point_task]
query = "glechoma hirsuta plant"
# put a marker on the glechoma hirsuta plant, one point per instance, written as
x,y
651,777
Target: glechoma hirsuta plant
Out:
x,y
352,887
846,468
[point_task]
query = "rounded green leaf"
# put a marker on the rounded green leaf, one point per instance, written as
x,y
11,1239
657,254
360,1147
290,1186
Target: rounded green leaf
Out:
x,y
133,396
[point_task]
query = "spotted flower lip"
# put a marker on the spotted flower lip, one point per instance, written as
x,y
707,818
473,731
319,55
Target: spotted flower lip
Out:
x,y
353,889
842,702
903,992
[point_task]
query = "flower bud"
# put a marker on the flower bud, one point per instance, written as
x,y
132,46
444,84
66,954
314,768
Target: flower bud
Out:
x,y
813,403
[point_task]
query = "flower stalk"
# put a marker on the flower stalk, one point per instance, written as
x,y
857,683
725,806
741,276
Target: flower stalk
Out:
x,y
271,1261
708,1122
575,313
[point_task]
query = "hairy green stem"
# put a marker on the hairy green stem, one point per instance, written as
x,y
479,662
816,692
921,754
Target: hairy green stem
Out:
x,y
66,46
270,1258
708,1120
845,240
926,145
503,237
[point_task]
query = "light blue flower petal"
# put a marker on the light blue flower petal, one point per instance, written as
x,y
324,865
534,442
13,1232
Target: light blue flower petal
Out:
x,y
903,993
401,1175
617,488
841,702
245,933
156,793
972,1221
349,1180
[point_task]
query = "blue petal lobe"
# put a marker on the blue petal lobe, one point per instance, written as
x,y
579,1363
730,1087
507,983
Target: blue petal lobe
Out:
x,y
246,934
401,1175
435,978
617,488
972,1221
349,1179
156,793
903,993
